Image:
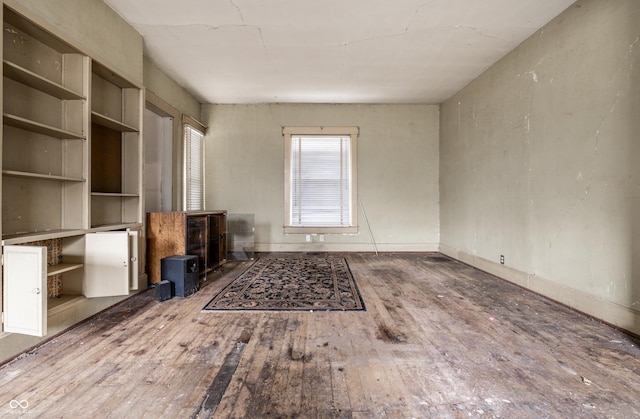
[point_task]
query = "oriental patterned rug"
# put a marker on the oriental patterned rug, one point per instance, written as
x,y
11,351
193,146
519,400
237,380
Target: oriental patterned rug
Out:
x,y
304,284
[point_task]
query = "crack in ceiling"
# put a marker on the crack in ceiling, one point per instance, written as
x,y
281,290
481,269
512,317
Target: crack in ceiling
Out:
x,y
360,51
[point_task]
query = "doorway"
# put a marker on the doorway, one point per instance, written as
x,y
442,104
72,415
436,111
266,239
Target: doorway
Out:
x,y
158,158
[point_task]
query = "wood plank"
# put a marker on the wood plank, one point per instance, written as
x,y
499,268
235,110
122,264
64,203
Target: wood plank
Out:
x,y
237,397
281,398
259,380
218,387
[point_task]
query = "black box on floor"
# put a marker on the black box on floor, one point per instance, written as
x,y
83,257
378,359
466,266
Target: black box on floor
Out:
x,y
164,290
182,271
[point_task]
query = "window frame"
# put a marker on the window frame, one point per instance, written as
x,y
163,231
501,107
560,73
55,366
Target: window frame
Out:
x,y
351,131
190,123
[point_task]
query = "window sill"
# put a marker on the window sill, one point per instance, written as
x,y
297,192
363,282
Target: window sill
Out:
x,y
320,230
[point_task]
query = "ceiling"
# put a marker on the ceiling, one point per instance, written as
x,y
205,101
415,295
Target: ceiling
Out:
x,y
331,51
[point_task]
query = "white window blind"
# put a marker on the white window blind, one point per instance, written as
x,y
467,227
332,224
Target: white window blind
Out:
x,y
321,185
193,168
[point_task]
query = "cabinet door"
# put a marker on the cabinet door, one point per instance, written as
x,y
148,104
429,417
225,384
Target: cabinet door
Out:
x,y
25,290
106,264
133,259
197,239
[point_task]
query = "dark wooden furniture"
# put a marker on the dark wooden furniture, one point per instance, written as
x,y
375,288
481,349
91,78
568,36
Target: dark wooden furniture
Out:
x,y
200,233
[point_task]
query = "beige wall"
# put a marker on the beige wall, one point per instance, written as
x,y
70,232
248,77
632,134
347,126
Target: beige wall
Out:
x,y
397,171
94,27
539,163
161,85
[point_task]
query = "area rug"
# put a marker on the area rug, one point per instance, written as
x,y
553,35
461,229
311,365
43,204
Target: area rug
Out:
x,y
310,284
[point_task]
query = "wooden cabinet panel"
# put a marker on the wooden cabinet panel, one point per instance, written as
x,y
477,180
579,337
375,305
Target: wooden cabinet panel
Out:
x,y
200,233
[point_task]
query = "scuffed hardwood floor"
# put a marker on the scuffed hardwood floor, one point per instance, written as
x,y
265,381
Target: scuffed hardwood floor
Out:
x,y
438,339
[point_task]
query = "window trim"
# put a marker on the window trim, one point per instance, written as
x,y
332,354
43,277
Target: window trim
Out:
x,y
351,131
188,122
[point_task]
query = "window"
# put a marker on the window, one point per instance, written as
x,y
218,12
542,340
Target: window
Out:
x,y
193,165
320,179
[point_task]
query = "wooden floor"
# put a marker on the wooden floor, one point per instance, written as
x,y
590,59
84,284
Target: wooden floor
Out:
x,y
438,339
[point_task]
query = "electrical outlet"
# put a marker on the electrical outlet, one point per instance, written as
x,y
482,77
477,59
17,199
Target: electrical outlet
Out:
x,y
321,237
502,259
308,238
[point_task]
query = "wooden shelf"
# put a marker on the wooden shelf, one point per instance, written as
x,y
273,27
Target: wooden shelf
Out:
x,y
29,125
114,226
43,235
29,78
111,123
63,302
40,176
115,195
62,268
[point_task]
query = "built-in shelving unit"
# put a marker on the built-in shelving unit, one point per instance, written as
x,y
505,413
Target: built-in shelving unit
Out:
x,y
71,179
45,120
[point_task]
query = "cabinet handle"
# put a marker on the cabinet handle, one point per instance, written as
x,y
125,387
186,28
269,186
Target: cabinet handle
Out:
x,y
36,291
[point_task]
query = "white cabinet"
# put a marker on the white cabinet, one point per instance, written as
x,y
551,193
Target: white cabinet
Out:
x,y
110,269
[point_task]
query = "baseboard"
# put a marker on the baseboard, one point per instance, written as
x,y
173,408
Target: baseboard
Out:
x,y
346,247
612,313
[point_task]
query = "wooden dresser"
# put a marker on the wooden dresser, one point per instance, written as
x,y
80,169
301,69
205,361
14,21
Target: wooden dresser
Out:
x,y
200,233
